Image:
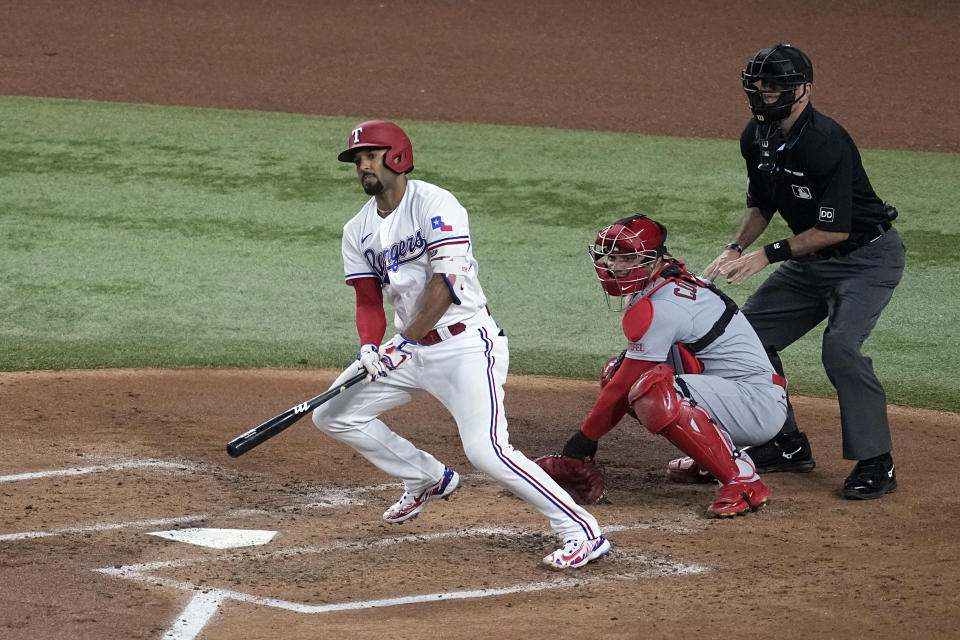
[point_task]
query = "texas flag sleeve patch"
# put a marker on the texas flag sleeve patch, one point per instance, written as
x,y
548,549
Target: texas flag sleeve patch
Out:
x,y
438,223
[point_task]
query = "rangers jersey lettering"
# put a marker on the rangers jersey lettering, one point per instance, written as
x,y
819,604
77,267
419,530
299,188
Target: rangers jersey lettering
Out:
x,y
427,233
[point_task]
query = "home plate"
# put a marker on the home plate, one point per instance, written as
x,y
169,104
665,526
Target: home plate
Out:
x,y
218,538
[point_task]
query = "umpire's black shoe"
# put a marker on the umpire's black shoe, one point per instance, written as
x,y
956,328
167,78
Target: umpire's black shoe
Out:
x,y
873,478
786,452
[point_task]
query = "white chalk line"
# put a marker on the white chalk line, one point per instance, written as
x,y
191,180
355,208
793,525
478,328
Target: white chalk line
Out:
x,y
206,602
247,554
119,466
194,618
137,524
201,609
326,499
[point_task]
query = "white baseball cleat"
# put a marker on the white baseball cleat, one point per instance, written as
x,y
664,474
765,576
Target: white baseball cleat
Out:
x,y
576,553
410,505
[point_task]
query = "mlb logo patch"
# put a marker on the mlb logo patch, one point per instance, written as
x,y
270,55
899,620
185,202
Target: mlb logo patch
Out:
x,y
801,192
826,214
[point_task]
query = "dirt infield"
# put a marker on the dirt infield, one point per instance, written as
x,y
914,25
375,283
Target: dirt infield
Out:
x,y
94,462
147,448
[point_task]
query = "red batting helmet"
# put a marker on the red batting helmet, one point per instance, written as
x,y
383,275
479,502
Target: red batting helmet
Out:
x,y
639,241
380,134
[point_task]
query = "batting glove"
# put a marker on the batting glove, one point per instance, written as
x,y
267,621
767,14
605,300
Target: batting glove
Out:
x,y
369,358
398,351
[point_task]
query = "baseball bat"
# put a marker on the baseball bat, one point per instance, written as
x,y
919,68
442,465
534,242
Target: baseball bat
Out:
x,y
263,432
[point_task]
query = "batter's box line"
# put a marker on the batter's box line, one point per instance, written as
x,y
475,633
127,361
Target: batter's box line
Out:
x,y
325,498
206,601
119,465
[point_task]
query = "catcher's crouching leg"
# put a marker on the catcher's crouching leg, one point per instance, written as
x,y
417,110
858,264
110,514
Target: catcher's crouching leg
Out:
x,y
688,426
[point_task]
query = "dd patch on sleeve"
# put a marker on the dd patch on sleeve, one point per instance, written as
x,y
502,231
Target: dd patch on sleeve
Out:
x,y
826,214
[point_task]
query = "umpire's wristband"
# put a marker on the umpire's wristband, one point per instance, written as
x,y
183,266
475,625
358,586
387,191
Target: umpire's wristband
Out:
x,y
778,251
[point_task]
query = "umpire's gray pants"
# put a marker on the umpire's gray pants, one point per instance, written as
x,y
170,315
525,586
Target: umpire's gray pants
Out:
x,y
850,292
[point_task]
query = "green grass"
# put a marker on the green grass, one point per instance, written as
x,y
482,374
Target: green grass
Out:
x,y
146,236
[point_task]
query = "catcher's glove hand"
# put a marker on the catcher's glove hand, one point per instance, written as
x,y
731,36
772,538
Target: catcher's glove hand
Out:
x,y
584,480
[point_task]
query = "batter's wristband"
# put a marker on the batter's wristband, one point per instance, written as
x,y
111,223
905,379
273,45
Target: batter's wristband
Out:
x,y
778,251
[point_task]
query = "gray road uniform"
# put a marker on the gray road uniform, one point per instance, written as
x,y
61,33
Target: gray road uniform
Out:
x,y
738,386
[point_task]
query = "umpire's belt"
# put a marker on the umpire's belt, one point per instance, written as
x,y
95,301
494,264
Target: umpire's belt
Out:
x,y
849,245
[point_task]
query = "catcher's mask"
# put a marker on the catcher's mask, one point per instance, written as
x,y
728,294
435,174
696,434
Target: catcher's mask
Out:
x,y
379,134
783,67
623,253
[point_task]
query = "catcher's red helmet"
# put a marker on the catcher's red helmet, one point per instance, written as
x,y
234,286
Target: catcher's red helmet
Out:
x,y
636,242
380,134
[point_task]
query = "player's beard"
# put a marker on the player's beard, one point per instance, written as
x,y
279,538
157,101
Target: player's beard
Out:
x,y
371,188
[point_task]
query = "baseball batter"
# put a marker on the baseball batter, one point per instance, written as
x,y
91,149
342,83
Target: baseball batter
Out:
x,y
694,370
411,241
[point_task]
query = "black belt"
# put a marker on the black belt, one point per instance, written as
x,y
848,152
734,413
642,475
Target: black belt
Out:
x,y
849,245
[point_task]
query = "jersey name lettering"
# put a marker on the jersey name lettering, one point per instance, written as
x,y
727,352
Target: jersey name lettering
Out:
x,y
389,259
686,289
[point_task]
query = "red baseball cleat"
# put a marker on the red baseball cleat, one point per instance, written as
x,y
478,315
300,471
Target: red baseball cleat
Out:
x,y
739,497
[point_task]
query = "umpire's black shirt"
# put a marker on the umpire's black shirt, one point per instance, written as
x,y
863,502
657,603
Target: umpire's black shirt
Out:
x,y
818,179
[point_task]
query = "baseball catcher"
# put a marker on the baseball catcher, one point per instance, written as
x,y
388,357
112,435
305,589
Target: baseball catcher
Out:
x,y
693,371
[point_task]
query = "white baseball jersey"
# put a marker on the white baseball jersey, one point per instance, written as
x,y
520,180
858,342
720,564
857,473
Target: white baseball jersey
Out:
x,y
427,233
736,386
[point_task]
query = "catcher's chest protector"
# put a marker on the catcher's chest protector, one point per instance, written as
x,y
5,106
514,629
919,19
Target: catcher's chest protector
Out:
x,y
637,319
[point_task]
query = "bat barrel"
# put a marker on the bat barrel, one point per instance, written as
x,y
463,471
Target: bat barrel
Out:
x,y
263,432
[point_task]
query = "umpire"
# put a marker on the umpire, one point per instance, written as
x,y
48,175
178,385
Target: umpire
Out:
x,y
841,264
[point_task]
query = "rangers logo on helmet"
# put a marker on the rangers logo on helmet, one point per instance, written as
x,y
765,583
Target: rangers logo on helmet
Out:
x,y
380,134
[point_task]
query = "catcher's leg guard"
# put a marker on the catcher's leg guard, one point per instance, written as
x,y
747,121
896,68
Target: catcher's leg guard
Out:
x,y
684,423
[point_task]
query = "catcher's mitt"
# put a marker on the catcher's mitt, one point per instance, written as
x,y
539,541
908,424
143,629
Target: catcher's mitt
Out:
x,y
584,480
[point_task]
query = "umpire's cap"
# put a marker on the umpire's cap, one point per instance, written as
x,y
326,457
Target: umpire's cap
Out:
x,y
781,61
